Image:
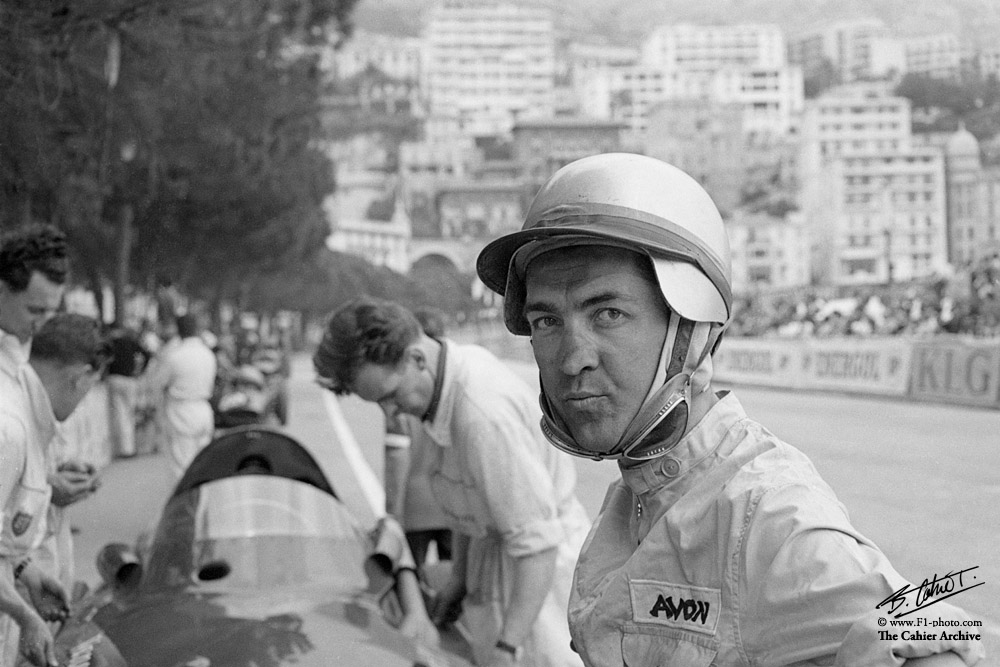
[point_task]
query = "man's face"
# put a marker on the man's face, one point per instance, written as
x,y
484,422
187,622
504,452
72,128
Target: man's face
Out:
x,y
405,387
597,327
24,313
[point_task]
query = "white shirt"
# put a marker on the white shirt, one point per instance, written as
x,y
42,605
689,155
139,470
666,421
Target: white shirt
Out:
x,y
187,371
25,434
13,358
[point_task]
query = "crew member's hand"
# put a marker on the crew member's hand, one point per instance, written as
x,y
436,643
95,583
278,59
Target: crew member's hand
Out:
x,y
419,626
47,595
447,606
72,482
36,642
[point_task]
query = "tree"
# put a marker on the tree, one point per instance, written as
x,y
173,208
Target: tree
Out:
x,y
329,279
168,137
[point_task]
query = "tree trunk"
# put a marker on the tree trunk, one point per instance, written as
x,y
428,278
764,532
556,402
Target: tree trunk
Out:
x,y
94,278
126,231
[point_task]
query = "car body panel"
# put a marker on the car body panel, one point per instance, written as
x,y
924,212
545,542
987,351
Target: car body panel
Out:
x,y
255,561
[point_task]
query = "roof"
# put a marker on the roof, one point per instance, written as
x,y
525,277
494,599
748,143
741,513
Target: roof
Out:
x,y
962,142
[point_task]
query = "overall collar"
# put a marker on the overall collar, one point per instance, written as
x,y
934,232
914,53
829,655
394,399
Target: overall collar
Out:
x,y
438,426
438,383
672,469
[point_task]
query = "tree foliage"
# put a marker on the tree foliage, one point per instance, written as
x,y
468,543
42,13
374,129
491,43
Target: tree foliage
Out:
x,y
958,96
329,279
178,137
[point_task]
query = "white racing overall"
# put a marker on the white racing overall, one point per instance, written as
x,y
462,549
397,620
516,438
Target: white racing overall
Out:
x,y
731,550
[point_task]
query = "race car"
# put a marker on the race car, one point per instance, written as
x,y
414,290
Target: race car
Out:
x,y
255,561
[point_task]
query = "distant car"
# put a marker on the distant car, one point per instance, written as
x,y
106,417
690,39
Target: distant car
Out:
x,y
255,561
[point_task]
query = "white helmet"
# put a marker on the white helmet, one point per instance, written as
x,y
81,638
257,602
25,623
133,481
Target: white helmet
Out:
x,y
642,204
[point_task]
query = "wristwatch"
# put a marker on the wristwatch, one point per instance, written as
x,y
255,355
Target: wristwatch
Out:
x,y
514,651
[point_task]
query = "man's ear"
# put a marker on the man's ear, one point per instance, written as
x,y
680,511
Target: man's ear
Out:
x,y
418,356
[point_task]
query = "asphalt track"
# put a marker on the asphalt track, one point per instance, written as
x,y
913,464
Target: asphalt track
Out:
x,y
920,480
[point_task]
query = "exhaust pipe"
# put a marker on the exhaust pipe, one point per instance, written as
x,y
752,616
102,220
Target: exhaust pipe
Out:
x,y
119,566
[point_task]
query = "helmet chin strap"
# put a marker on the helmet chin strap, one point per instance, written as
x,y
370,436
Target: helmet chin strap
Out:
x,y
684,370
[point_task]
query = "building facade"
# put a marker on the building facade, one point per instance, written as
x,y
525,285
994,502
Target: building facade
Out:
x,y
846,46
887,217
708,48
367,218
541,147
768,253
973,202
395,56
936,56
488,63
705,140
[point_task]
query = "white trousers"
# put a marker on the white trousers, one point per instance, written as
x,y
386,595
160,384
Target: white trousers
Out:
x,y
188,427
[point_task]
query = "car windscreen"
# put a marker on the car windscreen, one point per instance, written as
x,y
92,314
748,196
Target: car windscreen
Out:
x,y
256,531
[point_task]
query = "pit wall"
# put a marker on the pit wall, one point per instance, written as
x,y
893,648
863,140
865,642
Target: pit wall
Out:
x,y
939,370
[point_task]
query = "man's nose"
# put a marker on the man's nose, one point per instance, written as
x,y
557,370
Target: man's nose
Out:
x,y
578,350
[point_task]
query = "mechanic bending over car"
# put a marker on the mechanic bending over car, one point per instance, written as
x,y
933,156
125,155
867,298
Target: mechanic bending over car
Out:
x,y
720,544
68,355
508,497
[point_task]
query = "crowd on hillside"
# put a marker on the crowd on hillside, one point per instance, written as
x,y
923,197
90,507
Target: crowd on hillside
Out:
x,y
971,308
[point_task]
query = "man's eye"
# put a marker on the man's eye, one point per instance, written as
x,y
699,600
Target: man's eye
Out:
x,y
609,315
542,323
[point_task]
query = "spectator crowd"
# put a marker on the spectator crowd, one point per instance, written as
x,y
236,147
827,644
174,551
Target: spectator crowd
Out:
x,y
966,305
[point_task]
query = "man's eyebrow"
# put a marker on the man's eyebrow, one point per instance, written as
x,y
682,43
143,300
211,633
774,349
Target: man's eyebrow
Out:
x,y
589,302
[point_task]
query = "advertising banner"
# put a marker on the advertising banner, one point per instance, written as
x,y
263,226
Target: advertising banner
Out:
x,y
870,366
771,362
963,372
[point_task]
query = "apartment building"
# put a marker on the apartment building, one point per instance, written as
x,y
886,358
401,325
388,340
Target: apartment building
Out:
x,y
852,119
488,63
708,48
768,252
541,147
847,46
469,209
937,56
627,94
367,219
890,217
875,204
395,56
973,201
578,57
704,139
989,61
772,99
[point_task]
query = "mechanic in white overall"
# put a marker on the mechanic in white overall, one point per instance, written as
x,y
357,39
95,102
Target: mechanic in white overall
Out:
x,y
184,379
720,545
67,357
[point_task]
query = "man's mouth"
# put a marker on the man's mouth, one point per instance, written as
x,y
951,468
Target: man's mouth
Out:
x,y
583,400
